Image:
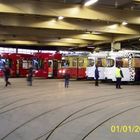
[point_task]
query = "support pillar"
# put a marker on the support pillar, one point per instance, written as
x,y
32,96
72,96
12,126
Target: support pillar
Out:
x,y
16,50
115,46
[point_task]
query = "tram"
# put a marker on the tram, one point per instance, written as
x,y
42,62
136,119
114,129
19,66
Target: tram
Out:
x,y
46,64
128,60
18,63
75,64
99,59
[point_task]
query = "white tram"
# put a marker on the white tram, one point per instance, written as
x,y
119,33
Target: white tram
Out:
x,y
99,59
128,60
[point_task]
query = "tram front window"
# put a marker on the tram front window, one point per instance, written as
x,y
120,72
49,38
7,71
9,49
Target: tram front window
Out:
x,y
90,62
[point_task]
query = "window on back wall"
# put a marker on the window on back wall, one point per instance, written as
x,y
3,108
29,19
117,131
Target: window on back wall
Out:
x,y
7,50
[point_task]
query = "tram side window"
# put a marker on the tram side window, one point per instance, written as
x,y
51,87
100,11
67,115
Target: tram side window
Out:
x,y
90,62
99,62
41,64
5,62
59,64
109,62
104,63
119,62
74,62
122,62
35,64
81,62
38,64
65,63
9,62
125,62
2,63
136,62
24,64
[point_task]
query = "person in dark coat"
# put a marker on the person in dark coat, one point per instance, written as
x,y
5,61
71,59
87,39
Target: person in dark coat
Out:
x,y
67,78
6,73
96,76
30,75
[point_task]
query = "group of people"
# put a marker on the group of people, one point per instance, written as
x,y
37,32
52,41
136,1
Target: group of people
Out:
x,y
6,74
118,75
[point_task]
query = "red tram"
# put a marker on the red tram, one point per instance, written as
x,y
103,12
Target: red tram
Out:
x,y
18,63
46,64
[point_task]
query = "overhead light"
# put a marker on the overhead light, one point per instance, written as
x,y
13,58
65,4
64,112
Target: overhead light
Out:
x,y
87,32
90,2
90,47
60,17
114,26
124,23
96,33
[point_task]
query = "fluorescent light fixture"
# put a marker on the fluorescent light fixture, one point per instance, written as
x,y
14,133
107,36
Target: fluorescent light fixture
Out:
x,y
96,33
90,2
114,26
87,32
90,47
124,23
60,17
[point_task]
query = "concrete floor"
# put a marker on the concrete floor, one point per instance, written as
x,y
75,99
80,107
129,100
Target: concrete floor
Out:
x,y
49,111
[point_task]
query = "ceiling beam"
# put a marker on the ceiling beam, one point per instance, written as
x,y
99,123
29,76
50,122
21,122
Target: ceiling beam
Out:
x,y
53,23
42,34
70,11
34,43
127,37
136,1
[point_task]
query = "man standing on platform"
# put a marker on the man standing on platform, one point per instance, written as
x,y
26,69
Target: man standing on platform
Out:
x,y
119,76
96,76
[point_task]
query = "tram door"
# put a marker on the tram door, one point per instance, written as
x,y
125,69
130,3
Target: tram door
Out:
x,y
17,67
50,68
55,68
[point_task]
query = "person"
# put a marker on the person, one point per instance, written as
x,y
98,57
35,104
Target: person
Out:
x,y
6,73
30,75
67,78
119,76
96,76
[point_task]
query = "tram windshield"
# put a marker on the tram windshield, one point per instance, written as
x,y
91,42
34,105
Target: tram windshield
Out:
x,y
91,62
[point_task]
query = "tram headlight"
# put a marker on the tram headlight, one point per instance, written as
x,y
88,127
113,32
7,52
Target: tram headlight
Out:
x,y
36,71
60,71
64,71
